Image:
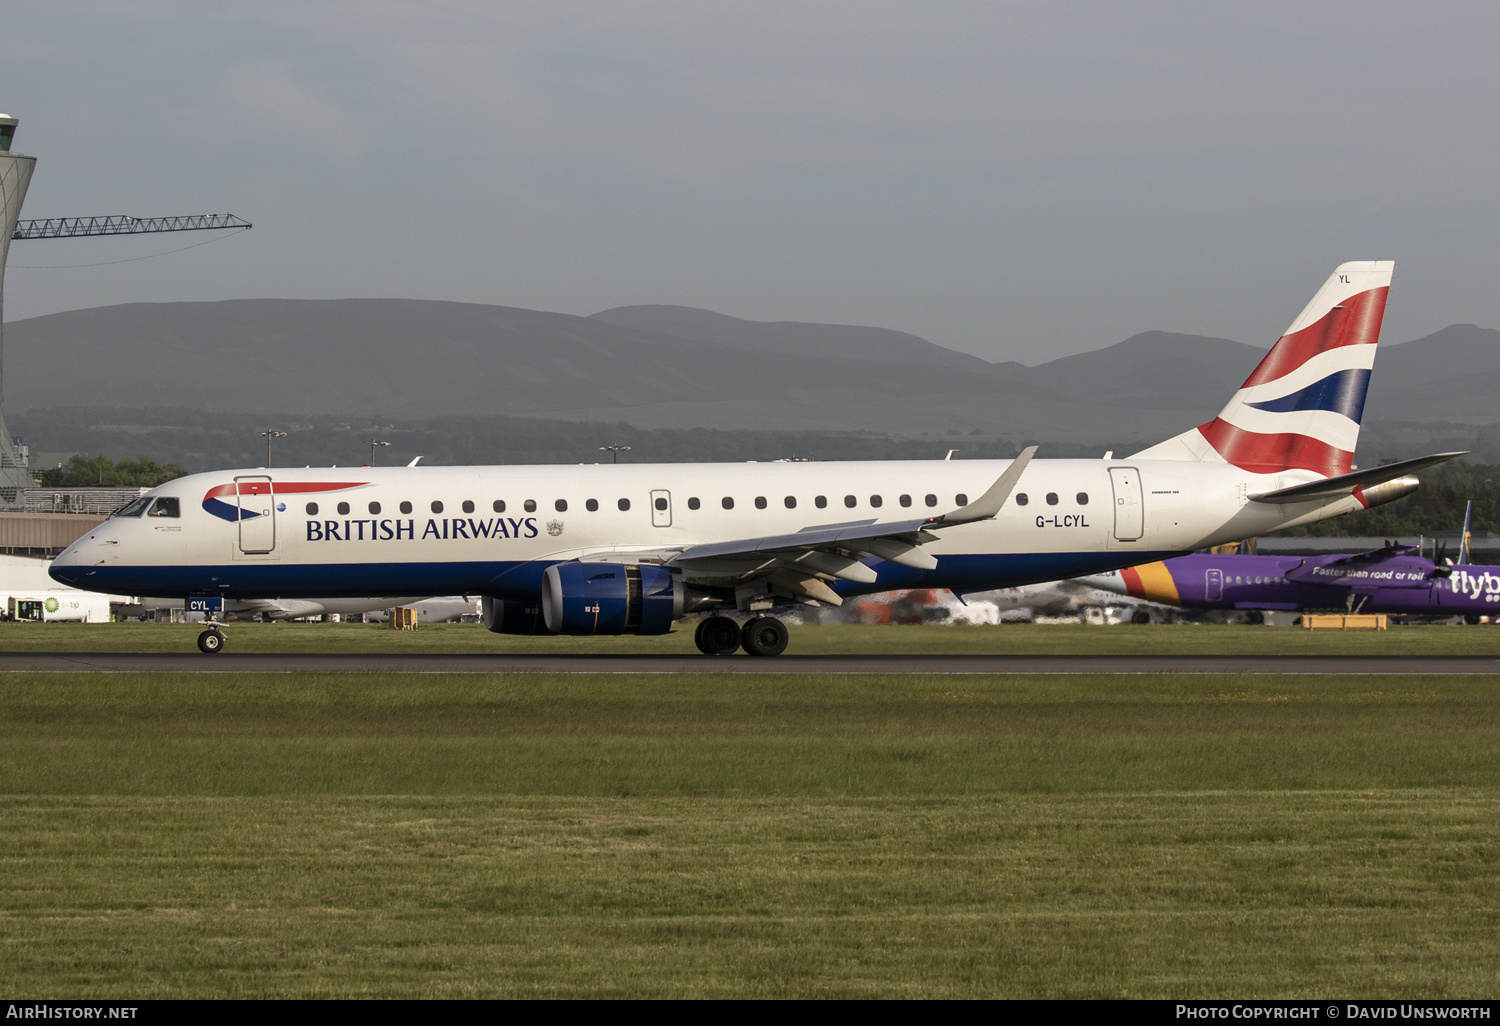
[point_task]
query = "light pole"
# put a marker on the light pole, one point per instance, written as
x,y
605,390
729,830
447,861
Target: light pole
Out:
x,y
615,450
270,435
373,443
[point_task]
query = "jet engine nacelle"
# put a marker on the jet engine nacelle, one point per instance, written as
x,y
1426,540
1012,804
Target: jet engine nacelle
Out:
x,y
512,617
610,598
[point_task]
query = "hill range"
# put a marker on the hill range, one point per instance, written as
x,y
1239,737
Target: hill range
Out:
x,y
669,366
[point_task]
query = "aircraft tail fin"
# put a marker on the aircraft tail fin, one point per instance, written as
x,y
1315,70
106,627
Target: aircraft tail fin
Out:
x,y
1301,408
1464,555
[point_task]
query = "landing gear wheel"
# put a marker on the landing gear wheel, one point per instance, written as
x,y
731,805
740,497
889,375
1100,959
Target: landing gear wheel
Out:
x,y
764,636
718,635
211,641
1140,617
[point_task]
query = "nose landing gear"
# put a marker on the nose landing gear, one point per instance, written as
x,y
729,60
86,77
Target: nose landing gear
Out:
x,y
211,641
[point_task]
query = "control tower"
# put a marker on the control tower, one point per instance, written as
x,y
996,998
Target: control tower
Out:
x,y
15,176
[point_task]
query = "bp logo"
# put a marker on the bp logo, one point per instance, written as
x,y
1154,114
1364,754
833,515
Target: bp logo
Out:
x,y
554,527
51,605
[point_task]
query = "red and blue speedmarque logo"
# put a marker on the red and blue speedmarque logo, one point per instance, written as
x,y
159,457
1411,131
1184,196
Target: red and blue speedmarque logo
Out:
x,y
235,509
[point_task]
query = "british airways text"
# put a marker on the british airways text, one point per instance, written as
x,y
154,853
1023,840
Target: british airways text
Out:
x,y
468,529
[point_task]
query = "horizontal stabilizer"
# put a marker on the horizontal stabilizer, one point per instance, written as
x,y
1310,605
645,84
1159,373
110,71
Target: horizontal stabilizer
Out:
x,y
1345,484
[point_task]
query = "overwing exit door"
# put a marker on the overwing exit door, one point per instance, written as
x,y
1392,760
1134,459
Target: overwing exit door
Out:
x,y
661,508
257,502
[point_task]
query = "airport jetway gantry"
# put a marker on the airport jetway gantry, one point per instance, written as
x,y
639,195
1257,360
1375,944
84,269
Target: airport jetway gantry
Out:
x,y
15,176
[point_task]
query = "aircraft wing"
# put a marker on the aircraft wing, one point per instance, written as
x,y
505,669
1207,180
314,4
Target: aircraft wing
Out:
x,y
832,536
803,563
1345,484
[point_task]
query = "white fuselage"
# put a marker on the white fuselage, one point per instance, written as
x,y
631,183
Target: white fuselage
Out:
x,y
493,530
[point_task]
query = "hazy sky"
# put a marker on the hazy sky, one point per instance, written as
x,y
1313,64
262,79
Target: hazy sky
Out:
x,y
1017,180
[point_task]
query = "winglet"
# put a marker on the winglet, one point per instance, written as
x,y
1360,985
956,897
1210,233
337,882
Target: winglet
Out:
x,y
987,505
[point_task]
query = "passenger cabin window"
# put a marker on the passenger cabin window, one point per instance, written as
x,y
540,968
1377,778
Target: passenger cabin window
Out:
x,y
529,505
312,509
727,502
343,509
138,507
931,500
693,502
1052,498
437,505
498,505
875,501
405,507
790,502
1083,498
468,505
592,505
1022,498
849,501
961,499
561,505
164,507
760,502
624,505
374,509
821,502
661,503
905,500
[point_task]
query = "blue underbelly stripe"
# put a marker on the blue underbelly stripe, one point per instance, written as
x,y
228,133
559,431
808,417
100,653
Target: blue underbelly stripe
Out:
x,y
522,581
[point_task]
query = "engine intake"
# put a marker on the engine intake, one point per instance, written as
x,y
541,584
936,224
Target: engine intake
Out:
x,y
610,598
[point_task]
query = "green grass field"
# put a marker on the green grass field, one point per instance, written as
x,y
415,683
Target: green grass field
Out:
x,y
675,835
841,639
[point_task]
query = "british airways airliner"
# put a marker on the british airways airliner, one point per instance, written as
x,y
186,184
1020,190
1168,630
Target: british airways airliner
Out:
x,y
606,549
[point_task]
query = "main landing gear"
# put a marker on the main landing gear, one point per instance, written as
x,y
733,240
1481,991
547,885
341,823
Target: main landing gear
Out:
x,y
761,636
211,641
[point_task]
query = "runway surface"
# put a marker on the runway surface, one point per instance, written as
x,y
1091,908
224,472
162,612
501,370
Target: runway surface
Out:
x,y
229,662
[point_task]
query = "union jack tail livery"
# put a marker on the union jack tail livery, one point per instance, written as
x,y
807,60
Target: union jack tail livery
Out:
x,y
1301,408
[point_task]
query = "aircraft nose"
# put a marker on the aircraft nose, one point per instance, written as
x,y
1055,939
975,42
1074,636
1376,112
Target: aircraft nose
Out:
x,y
73,566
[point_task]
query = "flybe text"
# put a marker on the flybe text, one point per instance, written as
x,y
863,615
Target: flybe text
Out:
x,y
1474,585
469,529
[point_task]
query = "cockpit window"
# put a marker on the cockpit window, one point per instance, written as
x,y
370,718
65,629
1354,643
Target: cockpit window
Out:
x,y
136,508
164,507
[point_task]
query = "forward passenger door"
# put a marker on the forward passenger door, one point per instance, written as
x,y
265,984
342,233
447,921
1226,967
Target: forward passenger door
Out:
x,y
257,503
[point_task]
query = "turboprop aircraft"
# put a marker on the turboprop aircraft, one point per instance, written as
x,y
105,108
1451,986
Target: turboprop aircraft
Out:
x,y
1392,579
628,549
